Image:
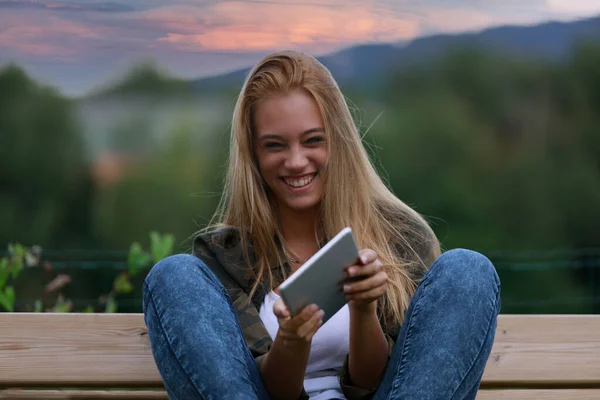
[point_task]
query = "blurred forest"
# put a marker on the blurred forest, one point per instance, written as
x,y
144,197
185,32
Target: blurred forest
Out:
x,y
501,154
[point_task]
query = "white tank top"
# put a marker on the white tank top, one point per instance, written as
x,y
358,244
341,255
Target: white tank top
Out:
x,y
329,348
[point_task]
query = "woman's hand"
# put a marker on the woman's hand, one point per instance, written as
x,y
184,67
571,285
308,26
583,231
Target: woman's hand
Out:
x,y
367,282
299,329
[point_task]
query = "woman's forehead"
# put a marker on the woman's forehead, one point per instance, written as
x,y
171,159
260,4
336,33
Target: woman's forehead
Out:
x,y
293,113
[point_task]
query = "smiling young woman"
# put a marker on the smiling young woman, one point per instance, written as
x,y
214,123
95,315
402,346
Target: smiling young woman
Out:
x,y
291,151
418,323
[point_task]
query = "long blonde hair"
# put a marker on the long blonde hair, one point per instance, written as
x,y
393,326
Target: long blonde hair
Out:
x,y
354,194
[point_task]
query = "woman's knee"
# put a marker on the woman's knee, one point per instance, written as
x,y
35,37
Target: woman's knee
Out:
x,y
176,277
172,269
465,270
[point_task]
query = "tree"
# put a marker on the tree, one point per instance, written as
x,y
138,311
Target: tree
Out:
x,y
45,184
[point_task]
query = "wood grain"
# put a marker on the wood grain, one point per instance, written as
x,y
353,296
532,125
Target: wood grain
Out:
x,y
17,394
525,394
579,394
112,350
545,350
107,350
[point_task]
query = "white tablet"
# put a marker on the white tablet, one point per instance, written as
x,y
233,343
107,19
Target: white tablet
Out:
x,y
320,280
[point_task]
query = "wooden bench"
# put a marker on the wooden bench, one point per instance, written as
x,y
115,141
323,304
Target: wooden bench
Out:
x,y
555,357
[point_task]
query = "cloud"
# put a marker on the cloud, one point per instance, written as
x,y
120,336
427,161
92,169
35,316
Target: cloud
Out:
x,y
315,26
81,38
54,38
107,7
240,26
574,6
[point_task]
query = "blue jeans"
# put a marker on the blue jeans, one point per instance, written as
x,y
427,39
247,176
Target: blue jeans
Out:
x,y
440,353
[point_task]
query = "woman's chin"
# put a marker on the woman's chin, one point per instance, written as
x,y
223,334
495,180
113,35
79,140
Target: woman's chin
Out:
x,y
301,205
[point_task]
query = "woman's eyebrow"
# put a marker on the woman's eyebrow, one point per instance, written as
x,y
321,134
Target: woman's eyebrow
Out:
x,y
313,130
267,136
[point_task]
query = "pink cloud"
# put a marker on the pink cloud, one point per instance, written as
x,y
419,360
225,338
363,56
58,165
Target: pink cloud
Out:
x,y
27,35
242,26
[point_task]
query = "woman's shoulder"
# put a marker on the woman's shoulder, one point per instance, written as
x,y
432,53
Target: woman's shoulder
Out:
x,y
222,247
218,238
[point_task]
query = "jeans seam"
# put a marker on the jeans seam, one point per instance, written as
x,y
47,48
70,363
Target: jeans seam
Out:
x,y
481,346
169,346
409,333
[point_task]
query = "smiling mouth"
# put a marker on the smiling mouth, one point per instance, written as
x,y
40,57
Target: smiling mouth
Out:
x,y
300,181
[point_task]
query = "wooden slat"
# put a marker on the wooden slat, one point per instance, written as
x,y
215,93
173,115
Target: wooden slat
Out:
x,y
524,394
510,394
112,350
545,351
82,394
102,350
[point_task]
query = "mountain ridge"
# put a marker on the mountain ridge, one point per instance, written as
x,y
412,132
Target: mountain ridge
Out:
x,y
549,40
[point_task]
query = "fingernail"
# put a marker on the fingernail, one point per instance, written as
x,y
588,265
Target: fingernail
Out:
x,y
363,259
347,288
321,314
351,271
313,308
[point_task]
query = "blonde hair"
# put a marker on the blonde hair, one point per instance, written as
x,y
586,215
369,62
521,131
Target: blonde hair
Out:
x,y
354,194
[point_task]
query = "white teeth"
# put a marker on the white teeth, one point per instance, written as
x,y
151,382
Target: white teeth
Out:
x,y
299,182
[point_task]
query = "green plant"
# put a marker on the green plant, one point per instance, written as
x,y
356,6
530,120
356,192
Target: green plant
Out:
x,y
19,257
11,266
161,246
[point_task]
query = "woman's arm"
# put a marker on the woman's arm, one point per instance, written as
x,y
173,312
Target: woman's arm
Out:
x,y
284,365
282,369
368,346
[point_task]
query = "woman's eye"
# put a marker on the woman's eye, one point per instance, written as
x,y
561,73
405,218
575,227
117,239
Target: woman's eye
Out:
x,y
272,145
315,139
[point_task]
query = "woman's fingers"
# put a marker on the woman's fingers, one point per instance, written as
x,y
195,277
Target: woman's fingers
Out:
x,y
367,280
367,256
364,270
368,294
367,284
302,326
309,328
368,264
306,314
280,310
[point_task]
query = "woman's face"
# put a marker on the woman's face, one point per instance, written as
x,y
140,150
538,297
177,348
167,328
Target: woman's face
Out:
x,y
291,147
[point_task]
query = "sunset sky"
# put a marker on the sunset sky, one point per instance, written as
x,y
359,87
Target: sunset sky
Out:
x,y
76,45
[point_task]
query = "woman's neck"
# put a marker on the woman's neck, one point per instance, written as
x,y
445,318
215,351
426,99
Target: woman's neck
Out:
x,y
299,232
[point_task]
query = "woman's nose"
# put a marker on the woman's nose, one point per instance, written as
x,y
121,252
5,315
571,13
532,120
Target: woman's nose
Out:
x,y
296,160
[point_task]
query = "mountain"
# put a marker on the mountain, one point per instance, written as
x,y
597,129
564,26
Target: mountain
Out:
x,y
551,40
147,94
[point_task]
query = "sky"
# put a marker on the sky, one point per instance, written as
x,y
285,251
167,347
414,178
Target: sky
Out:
x,y
79,45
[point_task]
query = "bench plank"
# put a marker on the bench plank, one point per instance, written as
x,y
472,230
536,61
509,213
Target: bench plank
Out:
x,y
82,394
112,350
545,351
73,349
556,394
579,394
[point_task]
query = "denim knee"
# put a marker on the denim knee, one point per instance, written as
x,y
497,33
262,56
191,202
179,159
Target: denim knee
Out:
x,y
172,269
175,273
465,270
